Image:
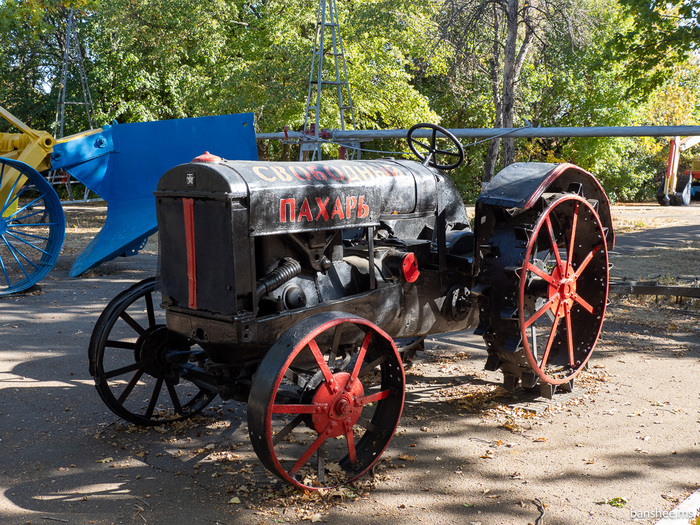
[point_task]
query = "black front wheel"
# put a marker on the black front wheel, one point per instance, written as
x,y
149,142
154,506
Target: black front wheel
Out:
x,y
140,368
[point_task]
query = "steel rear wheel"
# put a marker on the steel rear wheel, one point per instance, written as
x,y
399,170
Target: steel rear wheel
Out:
x,y
326,400
563,289
32,227
544,281
140,369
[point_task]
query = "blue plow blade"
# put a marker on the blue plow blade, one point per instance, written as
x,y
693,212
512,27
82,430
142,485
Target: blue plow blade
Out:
x,y
123,163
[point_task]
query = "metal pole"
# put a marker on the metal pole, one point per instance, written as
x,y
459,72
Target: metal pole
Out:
x,y
479,133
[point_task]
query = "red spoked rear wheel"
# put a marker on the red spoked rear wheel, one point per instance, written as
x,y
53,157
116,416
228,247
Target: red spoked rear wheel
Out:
x,y
563,289
326,400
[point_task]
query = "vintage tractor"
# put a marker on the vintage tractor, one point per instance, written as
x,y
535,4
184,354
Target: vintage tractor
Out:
x,y
302,287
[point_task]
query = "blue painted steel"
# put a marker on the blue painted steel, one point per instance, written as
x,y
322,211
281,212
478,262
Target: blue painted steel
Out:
x,y
123,163
32,226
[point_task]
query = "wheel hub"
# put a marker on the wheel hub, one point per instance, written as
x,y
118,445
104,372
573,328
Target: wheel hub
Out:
x,y
338,406
564,284
151,351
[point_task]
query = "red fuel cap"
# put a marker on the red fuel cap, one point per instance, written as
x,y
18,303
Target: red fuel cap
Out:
x,y
207,157
409,267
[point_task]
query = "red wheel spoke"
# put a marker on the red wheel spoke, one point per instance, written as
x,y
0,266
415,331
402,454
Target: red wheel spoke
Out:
x,y
585,304
552,240
373,398
350,438
570,338
534,317
361,356
539,272
298,409
572,239
550,341
309,452
327,374
587,260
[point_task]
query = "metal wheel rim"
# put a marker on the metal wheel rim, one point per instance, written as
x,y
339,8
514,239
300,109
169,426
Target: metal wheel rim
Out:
x,y
32,227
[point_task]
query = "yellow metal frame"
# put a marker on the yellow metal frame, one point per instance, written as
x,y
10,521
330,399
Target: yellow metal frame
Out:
x,y
32,147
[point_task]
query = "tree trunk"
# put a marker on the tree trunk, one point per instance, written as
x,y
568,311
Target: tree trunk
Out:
x,y
509,77
495,74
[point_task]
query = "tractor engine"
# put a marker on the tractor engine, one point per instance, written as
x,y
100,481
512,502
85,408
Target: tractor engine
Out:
x,y
249,248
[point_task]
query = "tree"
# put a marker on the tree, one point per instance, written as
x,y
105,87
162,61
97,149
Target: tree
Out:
x,y
661,36
496,39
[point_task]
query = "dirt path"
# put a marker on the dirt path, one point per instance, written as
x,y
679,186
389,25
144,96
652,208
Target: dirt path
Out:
x,y
626,441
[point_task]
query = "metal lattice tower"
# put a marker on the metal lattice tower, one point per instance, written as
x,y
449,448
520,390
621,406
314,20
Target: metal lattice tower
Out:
x,y
72,55
335,77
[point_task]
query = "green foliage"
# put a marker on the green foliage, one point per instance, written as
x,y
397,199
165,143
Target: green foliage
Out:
x,y
661,36
158,59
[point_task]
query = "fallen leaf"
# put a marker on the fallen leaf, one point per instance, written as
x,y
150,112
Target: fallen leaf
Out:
x,y
105,460
234,500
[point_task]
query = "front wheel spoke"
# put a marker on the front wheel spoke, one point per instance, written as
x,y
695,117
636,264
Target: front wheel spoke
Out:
x,y
177,406
288,428
361,356
350,438
321,362
122,370
570,339
130,386
149,310
299,408
120,344
307,455
539,313
132,323
154,398
373,398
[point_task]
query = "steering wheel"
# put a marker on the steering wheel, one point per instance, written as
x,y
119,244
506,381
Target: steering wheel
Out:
x,y
431,149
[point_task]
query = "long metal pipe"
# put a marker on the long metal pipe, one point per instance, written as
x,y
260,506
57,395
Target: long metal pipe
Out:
x,y
478,133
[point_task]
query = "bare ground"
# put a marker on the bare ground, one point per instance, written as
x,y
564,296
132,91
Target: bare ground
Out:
x,y
624,442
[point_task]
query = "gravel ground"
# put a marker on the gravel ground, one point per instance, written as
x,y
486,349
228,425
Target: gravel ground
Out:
x,y
624,444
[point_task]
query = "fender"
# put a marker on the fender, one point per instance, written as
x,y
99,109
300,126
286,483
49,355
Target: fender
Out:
x,y
521,184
